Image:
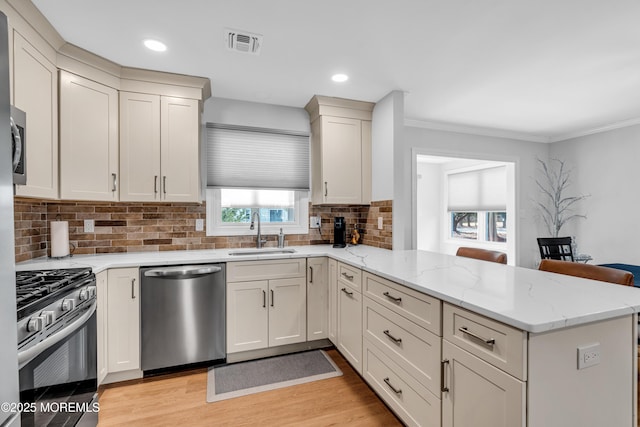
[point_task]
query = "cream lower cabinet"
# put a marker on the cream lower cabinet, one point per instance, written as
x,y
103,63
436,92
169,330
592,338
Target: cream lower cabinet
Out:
x,y
159,148
269,312
88,139
332,281
350,315
123,320
35,91
317,299
101,321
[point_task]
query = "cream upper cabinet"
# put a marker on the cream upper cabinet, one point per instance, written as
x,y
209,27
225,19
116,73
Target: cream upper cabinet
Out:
x,y
139,147
35,91
340,150
88,139
159,148
180,161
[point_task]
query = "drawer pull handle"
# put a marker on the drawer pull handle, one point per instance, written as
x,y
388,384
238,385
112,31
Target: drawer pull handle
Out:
x,y
394,339
310,274
347,292
395,390
489,342
443,388
392,298
347,276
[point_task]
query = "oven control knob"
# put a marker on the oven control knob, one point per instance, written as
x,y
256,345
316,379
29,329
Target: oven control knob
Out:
x,y
68,304
48,317
35,324
92,291
84,294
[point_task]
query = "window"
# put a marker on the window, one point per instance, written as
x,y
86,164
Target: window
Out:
x,y
256,171
476,204
479,226
229,211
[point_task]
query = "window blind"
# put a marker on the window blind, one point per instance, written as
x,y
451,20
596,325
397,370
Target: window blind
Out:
x,y
478,190
247,157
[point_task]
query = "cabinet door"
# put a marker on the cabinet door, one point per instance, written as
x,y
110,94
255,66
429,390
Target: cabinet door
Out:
x,y
88,139
333,300
180,161
35,89
139,147
341,160
287,311
350,326
101,321
123,313
247,316
479,394
317,299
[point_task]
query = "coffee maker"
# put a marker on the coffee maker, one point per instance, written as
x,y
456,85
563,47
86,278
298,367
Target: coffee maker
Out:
x,y
339,232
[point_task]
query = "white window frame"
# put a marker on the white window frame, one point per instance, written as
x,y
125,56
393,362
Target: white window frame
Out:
x,y
215,226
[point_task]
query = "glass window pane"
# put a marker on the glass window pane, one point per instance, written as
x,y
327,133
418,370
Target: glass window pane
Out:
x,y
464,225
497,226
273,206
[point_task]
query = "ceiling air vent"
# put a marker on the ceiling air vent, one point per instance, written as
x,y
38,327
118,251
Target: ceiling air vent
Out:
x,y
243,41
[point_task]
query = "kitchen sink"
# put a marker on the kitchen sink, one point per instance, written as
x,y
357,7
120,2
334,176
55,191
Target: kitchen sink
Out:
x,y
265,251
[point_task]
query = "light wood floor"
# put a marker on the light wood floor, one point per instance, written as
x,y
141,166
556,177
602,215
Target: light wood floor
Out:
x,y
180,400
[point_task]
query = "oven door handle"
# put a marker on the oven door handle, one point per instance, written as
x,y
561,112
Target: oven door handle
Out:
x,y
28,355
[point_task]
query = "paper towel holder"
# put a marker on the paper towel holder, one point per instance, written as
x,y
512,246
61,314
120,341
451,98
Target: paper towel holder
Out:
x,y
73,248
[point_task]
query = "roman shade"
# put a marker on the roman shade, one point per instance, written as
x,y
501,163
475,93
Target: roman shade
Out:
x,y
248,157
478,190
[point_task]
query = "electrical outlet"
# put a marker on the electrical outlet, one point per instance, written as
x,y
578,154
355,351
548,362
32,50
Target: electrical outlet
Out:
x,y
379,223
314,222
588,355
89,226
199,224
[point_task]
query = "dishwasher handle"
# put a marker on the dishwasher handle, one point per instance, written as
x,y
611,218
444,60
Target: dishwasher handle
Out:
x,y
189,270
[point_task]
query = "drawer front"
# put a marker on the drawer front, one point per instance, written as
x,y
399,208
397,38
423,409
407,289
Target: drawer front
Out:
x,y
243,271
419,308
501,345
413,348
405,396
351,276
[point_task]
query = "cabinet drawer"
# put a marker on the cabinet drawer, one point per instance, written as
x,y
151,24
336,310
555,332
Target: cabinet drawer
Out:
x,y
419,308
413,348
243,271
501,345
414,404
351,276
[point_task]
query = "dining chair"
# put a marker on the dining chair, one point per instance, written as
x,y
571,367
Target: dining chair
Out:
x,y
555,248
482,254
587,271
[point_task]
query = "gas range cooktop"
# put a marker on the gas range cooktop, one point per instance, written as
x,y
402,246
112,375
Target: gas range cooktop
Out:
x,y
34,289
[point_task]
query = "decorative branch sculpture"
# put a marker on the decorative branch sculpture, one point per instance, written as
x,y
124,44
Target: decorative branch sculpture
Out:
x,y
558,207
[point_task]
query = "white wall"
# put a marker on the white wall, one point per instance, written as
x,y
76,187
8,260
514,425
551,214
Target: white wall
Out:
x,y
605,166
233,112
522,153
429,206
382,141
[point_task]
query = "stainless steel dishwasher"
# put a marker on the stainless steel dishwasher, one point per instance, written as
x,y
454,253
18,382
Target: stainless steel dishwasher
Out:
x,y
182,315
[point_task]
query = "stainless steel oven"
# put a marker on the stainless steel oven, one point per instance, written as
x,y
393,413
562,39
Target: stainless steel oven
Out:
x,y
57,352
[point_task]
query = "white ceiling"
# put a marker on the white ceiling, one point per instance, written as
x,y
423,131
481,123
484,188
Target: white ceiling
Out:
x,y
544,68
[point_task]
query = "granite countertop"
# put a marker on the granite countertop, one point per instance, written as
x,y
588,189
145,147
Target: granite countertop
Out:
x,y
531,300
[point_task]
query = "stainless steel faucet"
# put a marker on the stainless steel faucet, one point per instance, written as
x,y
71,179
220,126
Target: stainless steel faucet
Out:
x,y
259,240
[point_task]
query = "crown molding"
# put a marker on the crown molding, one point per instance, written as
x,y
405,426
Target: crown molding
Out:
x,y
476,130
605,128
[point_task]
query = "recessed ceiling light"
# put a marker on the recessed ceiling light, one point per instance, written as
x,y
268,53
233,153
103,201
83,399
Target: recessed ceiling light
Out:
x,y
339,78
155,45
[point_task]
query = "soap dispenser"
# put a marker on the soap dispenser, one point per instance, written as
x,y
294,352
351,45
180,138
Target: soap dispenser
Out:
x,y
281,239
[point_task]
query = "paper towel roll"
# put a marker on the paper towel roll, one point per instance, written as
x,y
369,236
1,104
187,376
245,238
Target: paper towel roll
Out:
x,y
59,239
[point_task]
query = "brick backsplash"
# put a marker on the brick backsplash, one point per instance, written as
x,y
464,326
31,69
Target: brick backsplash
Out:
x,y
138,227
